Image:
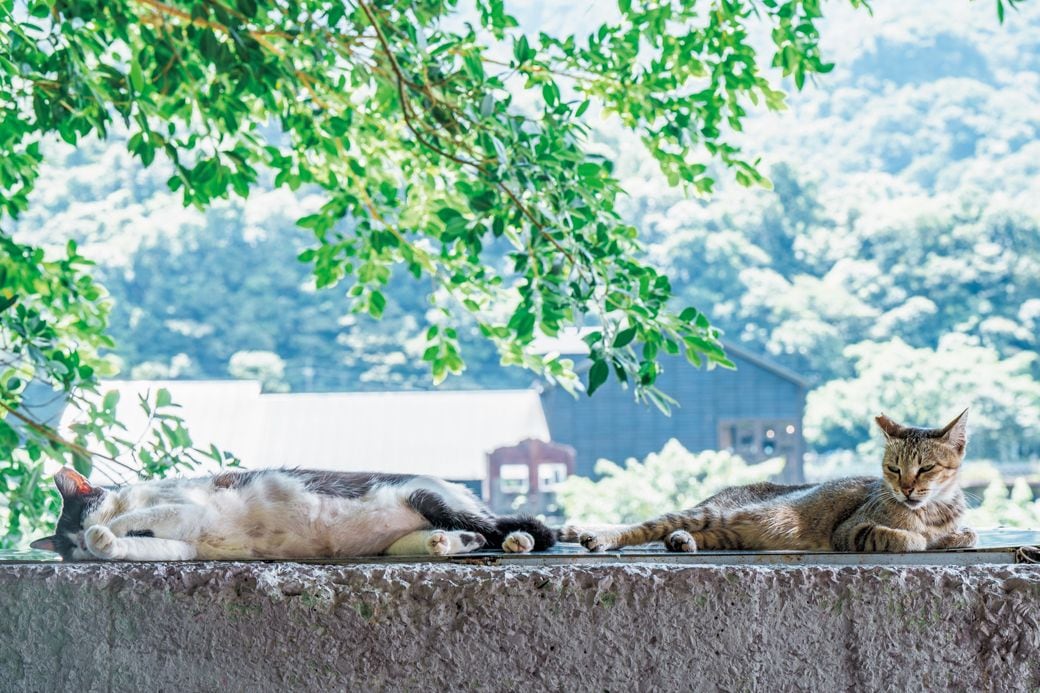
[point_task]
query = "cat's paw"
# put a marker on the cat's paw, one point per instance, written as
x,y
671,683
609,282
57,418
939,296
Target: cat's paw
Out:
x,y
680,541
967,538
596,542
101,542
518,542
444,543
438,543
888,539
963,538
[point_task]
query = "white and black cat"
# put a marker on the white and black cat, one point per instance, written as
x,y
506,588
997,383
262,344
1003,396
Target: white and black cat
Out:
x,y
280,513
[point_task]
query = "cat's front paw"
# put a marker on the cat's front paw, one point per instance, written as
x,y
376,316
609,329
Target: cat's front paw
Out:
x,y
967,538
596,542
101,542
680,541
964,538
518,542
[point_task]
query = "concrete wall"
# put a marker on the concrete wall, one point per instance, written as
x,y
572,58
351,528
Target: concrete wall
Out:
x,y
639,627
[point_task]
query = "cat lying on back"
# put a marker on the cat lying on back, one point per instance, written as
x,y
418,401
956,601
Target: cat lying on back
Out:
x,y
916,505
280,513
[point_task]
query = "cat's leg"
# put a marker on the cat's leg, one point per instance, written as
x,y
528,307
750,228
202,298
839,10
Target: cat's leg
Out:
x,y
572,533
103,543
657,529
763,528
963,538
162,520
436,542
870,537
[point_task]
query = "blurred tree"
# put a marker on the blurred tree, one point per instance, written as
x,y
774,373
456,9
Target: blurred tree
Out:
x,y
264,366
672,479
926,387
1002,507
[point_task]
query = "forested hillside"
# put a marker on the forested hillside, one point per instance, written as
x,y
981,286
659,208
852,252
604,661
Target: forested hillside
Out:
x,y
895,262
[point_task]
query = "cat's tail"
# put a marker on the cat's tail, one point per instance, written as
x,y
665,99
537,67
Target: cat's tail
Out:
x,y
544,538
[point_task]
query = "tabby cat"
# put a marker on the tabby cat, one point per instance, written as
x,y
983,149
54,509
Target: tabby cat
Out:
x,y
280,513
916,505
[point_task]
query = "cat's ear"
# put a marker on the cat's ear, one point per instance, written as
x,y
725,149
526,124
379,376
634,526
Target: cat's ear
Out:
x,y
955,433
45,544
72,484
890,428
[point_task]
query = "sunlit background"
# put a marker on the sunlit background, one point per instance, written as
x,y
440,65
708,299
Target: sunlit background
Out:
x,y
894,266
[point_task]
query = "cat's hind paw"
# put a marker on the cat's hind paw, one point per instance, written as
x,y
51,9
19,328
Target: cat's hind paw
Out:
x,y
101,542
518,542
596,543
444,543
680,541
438,543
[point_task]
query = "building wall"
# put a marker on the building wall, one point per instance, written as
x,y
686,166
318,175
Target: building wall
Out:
x,y
612,425
539,496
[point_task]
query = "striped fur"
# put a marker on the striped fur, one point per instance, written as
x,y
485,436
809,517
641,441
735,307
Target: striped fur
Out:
x,y
916,505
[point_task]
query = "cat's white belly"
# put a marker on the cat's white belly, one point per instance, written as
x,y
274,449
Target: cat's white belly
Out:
x,y
308,525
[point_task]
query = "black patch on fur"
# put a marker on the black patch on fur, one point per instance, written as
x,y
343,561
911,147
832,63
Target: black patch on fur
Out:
x,y
432,506
859,539
140,533
325,483
73,510
469,538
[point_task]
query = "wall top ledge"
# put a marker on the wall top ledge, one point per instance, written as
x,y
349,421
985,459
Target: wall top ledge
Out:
x,y
639,625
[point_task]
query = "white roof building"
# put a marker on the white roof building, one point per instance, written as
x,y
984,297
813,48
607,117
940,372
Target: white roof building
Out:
x,y
444,433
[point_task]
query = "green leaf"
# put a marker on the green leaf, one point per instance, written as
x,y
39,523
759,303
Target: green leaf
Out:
x,y
597,376
8,438
163,398
136,76
377,303
110,400
624,337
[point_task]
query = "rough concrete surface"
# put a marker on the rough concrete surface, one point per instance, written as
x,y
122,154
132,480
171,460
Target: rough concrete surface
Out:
x,y
636,627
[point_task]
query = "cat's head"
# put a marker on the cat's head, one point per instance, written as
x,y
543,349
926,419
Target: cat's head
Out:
x,y
921,465
78,500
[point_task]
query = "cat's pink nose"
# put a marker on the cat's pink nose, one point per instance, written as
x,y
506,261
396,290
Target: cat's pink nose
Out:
x,y
908,490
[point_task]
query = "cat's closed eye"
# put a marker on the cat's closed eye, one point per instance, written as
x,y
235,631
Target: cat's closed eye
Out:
x,y
925,469
894,470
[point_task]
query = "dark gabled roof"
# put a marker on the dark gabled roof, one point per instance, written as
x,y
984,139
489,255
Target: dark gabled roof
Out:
x,y
570,343
767,364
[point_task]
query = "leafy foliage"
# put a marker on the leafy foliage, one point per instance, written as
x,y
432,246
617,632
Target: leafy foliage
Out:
x,y
1004,507
190,300
411,131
